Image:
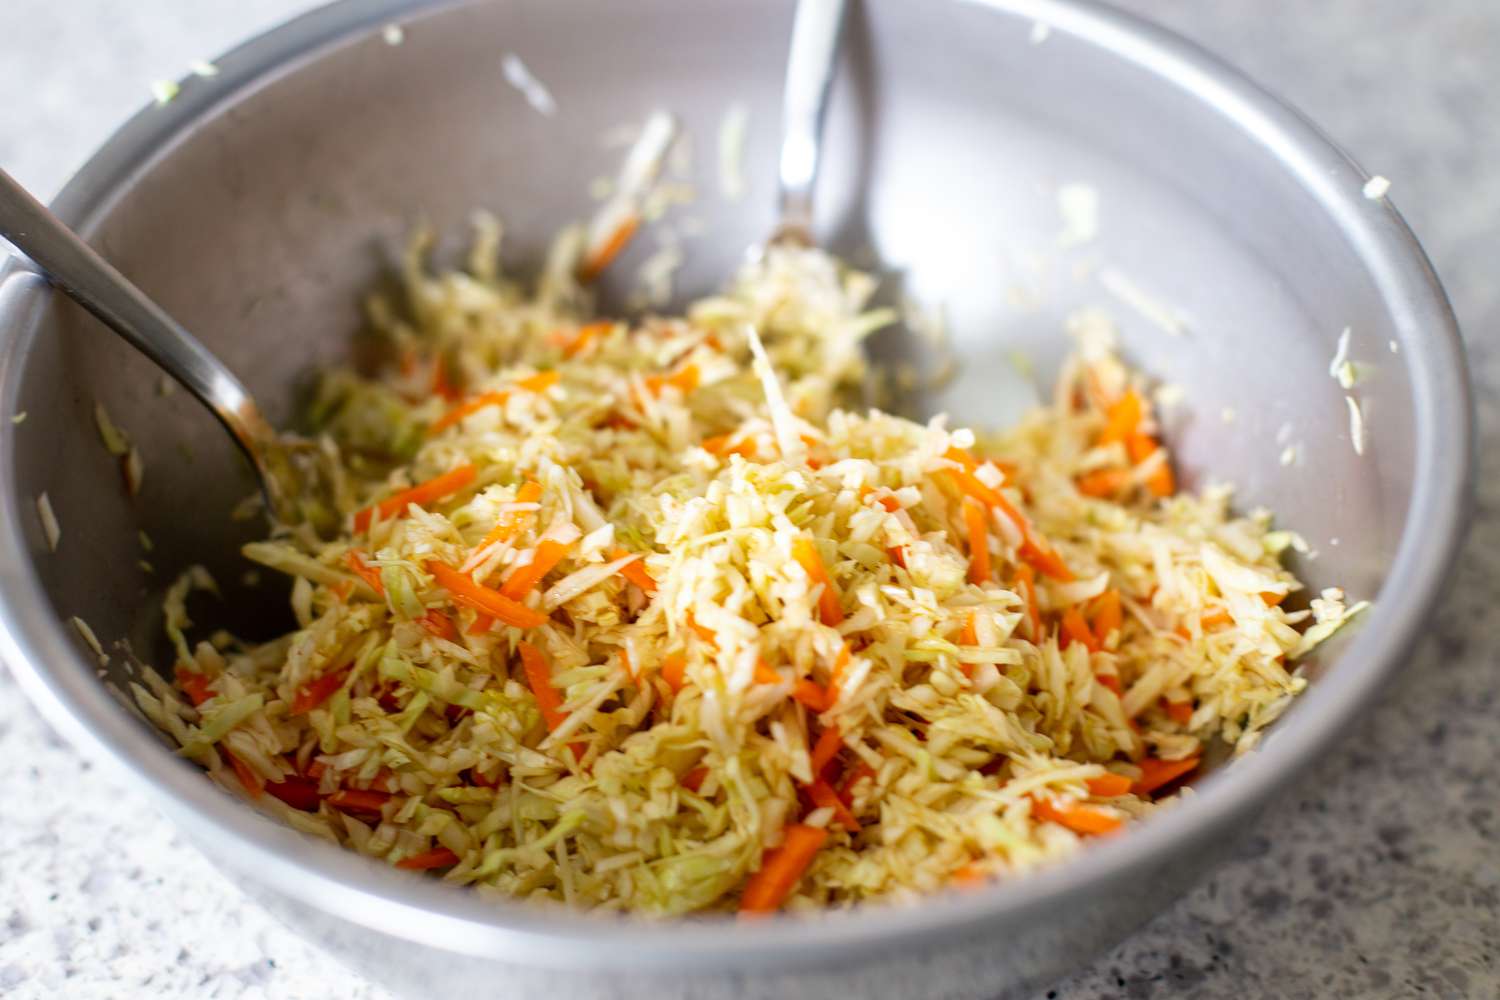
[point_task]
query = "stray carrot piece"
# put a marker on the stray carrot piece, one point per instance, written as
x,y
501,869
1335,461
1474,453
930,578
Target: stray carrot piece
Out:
x,y
463,590
194,685
970,876
1215,618
466,409
252,781
1271,598
1035,549
316,691
897,555
979,542
365,571
342,590
359,800
1122,418
523,581
440,384
1081,819
805,551
421,494
1109,786
684,379
438,858
509,522
969,484
315,769
781,868
439,625
1180,712
1157,773
674,671
836,673
1026,583
586,335
1112,682
824,797
595,263
625,662
810,694
765,675
1075,629
702,631
482,623
539,677
635,572
540,382
299,793
1107,615
693,780
1161,482
854,777
830,742
968,636
1102,482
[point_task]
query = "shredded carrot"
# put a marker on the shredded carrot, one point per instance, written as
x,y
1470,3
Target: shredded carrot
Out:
x,y
1161,482
539,678
1122,418
970,876
440,384
836,673
439,625
1214,618
463,590
252,781
1180,712
625,662
781,869
694,779
824,797
830,742
1112,682
194,685
358,800
890,503
854,777
1271,598
1075,629
595,263
421,494
316,691
810,694
684,379
365,571
805,551
439,857
1156,773
540,382
481,624
765,675
1026,583
342,590
1103,482
1079,818
969,484
299,793
701,631
1107,615
1108,786
968,636
724,445
674,671
979,542
510,521
549,552
467,408
586,335
635,572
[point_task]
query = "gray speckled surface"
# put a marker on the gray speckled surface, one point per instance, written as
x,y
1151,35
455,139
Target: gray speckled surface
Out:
x,y
1380,877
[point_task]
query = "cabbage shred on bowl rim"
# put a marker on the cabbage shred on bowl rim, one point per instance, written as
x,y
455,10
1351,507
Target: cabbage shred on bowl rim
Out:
x,y
619,619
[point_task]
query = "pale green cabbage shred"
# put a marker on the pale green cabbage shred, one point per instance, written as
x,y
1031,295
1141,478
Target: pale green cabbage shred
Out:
x,y
958,741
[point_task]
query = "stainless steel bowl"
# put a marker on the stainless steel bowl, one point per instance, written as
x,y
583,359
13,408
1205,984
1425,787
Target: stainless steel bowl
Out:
x,y
259,204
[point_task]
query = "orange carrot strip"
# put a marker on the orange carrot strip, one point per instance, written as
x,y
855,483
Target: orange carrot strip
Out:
x,y
594,265
467,408
358,800
586,335
684,379
765,675
781,868
635,572
439,857
830,742
1271,598
482,623
510,521
1122,418
252,781
979,542
366,572
540,382
421,494
194,685
1026,583
625,662
439,625
440,384
1102,482
694,779
968,636
1080,819
1214,618
1180,712
970,876
523,581
824,797
1108,786
854,777
805,551
836,674
702,631
810,694
316,691
463,590
674,671
969,484
1157,773
1107,614
1161,482
1075,629
1112,682
539,677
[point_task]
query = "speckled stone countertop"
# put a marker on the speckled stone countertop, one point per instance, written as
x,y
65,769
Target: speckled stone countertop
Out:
x,y
1379,878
